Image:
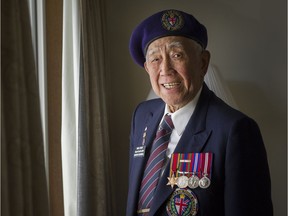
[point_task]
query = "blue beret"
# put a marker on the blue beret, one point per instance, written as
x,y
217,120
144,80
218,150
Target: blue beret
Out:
x,y
161,24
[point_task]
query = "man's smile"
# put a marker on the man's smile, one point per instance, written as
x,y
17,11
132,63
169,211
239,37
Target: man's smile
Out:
x,y
171,85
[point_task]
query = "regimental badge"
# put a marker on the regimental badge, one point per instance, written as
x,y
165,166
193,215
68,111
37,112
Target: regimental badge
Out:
x,y
172,20
183,202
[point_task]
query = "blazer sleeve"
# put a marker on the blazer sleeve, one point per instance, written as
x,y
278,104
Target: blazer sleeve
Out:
x,y
247,179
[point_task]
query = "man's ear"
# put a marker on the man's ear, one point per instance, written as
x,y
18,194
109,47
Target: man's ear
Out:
x,y
205,58
146,68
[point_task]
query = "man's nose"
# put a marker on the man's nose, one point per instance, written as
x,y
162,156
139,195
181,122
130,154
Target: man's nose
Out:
x,y
166,67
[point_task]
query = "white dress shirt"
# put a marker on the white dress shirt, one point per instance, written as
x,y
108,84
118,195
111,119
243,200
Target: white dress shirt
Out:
x,y
180,119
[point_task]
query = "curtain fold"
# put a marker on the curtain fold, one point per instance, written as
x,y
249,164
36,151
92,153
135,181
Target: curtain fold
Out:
x,y
85,142
94,165
53,36
70,103
23,178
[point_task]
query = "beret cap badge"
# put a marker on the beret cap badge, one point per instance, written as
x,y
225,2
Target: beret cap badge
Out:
x,y
172,20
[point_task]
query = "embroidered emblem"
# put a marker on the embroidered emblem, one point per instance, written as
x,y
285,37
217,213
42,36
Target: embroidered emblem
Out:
x,y
183,202
172,20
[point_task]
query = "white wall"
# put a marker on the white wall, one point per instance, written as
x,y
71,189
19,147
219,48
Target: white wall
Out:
x,y
247,40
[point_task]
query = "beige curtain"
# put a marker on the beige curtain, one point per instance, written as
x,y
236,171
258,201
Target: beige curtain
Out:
x,y
85,142
94,166
23,180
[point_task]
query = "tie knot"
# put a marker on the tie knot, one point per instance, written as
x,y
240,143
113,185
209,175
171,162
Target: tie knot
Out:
x,y
167,123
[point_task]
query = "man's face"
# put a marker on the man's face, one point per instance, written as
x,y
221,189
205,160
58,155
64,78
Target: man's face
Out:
x,y
176,67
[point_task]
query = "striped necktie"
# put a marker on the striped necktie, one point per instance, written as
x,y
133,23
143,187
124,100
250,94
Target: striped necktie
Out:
x,y
155,162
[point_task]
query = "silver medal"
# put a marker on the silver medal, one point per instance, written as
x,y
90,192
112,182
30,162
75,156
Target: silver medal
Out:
x,y
182,181
204,182
193,182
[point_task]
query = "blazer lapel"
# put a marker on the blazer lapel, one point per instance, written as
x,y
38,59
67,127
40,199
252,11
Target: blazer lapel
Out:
x,y
152,126
152,122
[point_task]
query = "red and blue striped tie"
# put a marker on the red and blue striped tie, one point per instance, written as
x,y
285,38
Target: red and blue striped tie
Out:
x,y
155,163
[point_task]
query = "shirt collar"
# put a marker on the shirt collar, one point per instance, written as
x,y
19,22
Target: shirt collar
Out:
x,y
181,117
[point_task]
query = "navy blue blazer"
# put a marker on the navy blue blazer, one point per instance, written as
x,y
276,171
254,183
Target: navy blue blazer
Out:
x,y
240,179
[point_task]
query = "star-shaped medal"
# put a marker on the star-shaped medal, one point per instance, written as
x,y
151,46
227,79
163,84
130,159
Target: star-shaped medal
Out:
x,y
172,180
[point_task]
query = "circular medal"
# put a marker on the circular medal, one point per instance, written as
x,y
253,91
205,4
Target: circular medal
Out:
x,y
193,182
204,182
182,202
182,181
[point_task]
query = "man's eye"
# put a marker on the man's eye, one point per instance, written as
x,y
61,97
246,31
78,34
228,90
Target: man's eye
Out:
x,y
177,55
155,60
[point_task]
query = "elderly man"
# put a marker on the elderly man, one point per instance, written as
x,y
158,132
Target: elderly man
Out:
x,y
190,153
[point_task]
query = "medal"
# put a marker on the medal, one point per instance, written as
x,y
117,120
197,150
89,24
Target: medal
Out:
x,y
193,182
204,182
182,165
206,164
190,170
183,169
183,202
182,181
172,180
